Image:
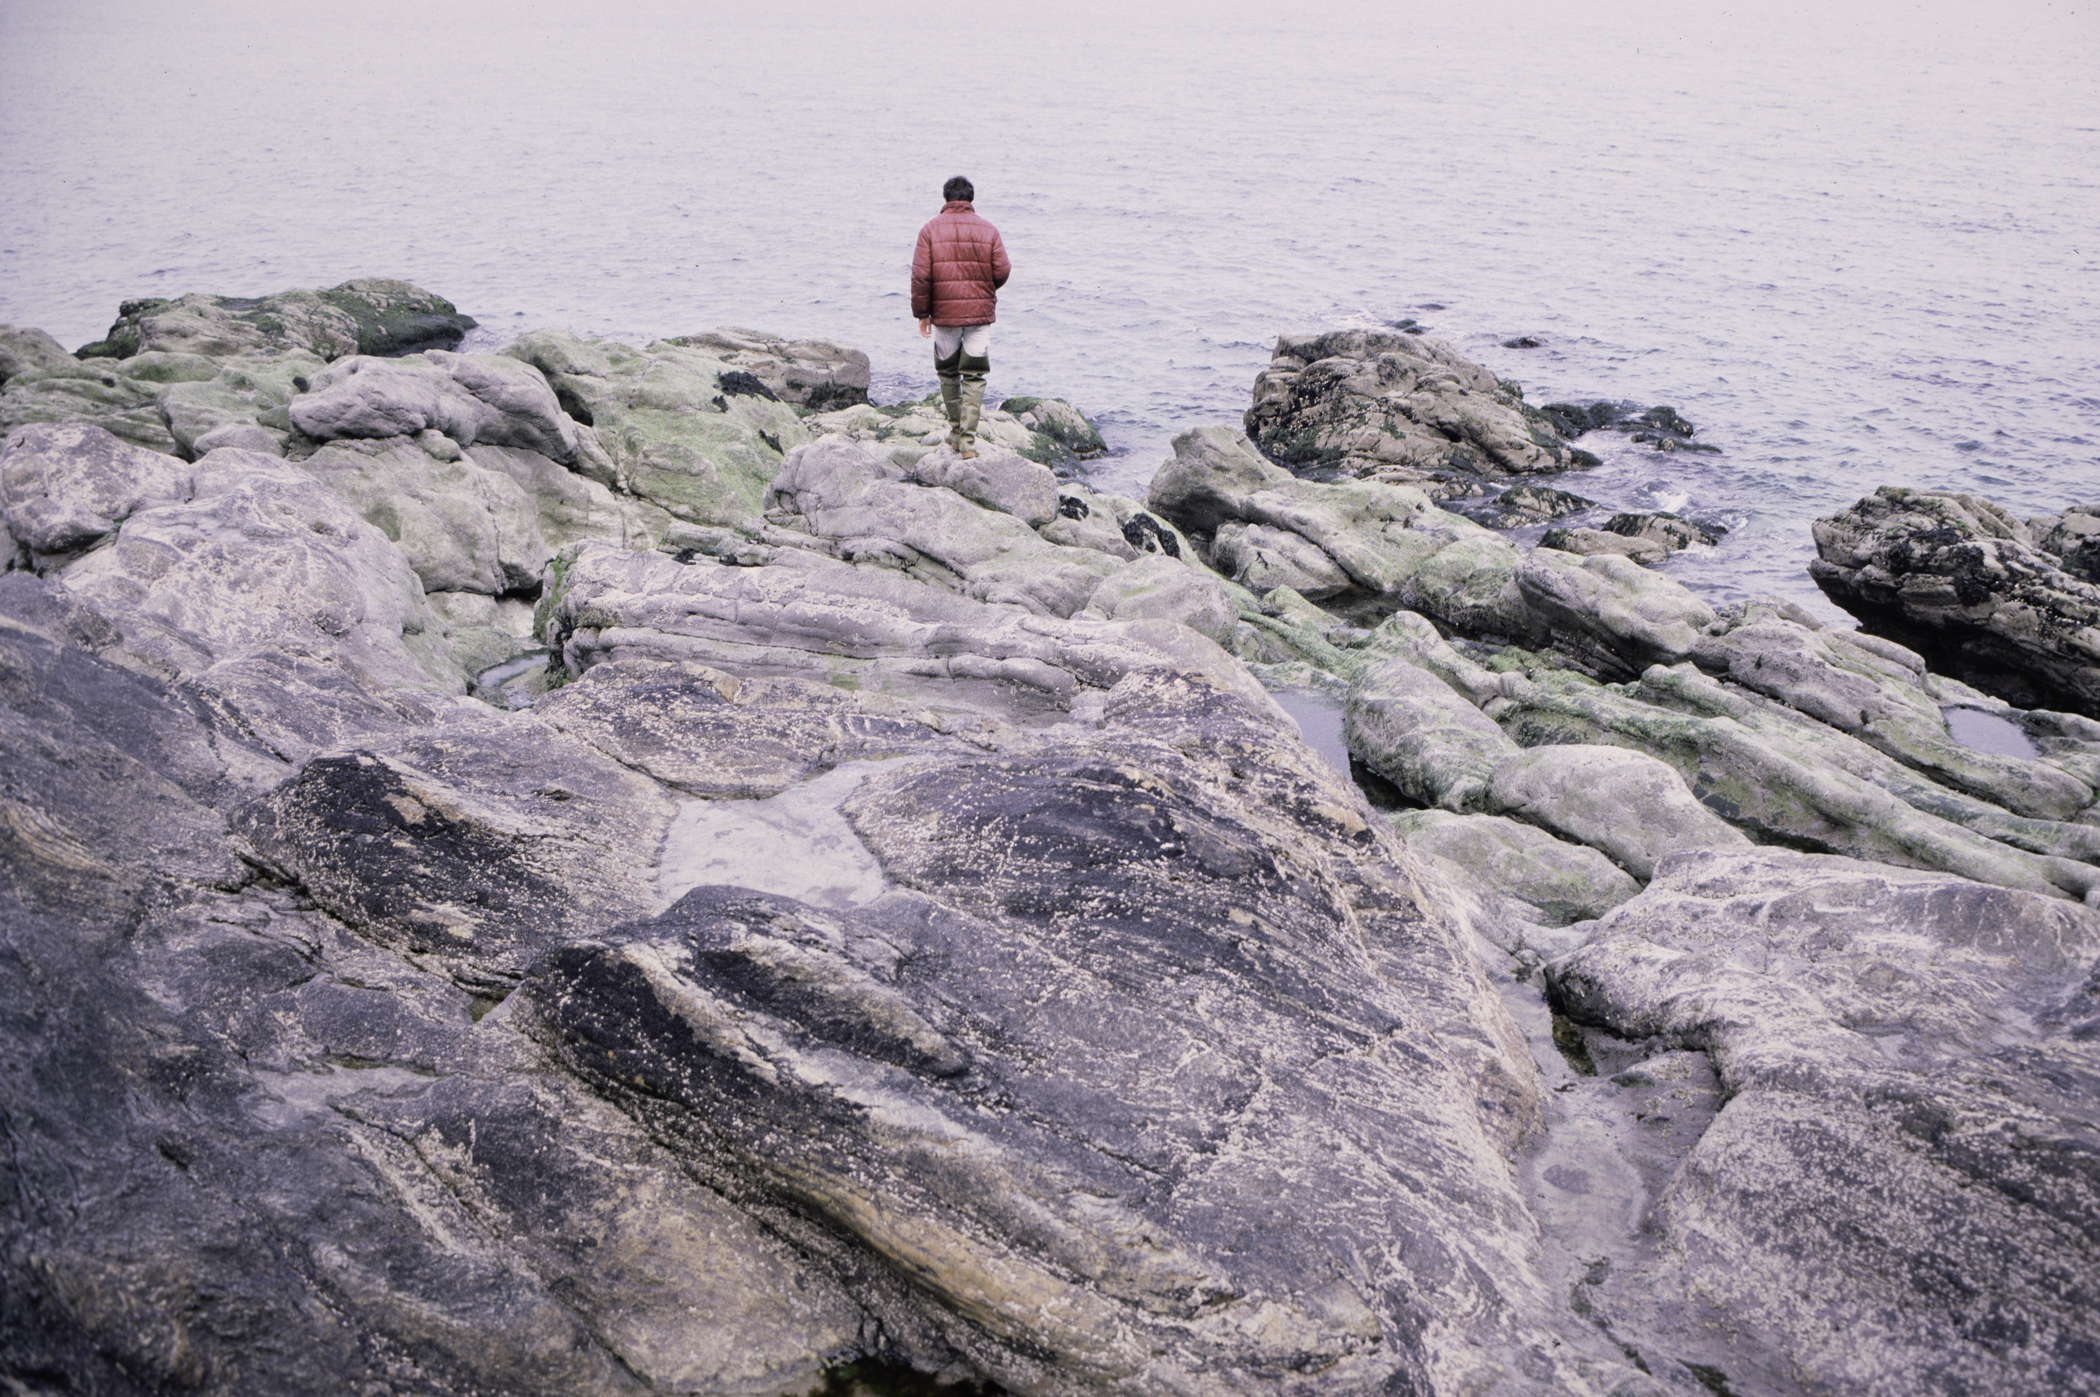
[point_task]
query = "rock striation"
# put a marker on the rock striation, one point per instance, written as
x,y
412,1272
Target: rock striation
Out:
x,y
621,870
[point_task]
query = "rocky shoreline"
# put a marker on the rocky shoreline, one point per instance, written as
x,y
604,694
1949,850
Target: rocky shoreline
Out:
x,y
622,869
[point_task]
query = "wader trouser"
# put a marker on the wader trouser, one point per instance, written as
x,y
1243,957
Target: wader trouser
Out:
x,y
962,377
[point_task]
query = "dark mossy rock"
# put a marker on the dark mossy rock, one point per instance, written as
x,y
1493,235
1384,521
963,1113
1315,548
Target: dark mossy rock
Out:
x,y
1398,408
370,315
1972,589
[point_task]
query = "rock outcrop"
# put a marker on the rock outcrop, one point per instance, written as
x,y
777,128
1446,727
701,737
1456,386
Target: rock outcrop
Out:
x,y
1399,409
2010,606
371,315
582,871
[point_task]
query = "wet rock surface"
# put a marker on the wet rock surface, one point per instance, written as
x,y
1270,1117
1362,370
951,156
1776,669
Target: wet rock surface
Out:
x,y
871,909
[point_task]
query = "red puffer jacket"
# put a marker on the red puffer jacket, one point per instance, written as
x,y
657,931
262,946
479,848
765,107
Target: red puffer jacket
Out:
x,y
958,268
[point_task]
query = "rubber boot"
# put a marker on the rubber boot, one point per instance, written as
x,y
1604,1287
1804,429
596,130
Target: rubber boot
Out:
x,y
973,371
949,370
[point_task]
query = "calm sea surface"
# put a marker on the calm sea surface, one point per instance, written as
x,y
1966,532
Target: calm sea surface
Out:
x,y
1855,244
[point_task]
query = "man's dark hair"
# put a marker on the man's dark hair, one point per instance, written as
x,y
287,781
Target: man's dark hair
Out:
x,y
958,190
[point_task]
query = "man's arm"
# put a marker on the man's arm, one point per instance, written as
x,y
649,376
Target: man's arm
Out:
x,y
922,277
1001,268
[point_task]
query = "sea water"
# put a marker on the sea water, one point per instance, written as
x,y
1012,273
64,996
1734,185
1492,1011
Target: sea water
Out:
x,y
1855,244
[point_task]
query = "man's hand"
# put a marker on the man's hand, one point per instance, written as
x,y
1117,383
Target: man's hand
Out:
x,y
926,328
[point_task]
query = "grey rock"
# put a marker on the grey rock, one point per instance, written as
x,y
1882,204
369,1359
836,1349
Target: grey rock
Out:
x,y
66,487
242,436
474,846
868,628
100,394
657,424
24,350
1004,1166
814,374
1669,531
1908,1070
1011,484
1552,880
1587,543
1875,691
1522,505
369,315
572,508
260,557
470,398
1609,614
836,489
1398,408
461,526
1963,583
1631,806
704,732
1412,728
1157,587
1387,540
1262,559
1787,779
1062,431
251,390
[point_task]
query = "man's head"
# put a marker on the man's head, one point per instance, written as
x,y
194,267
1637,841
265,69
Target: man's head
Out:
x,y
958,190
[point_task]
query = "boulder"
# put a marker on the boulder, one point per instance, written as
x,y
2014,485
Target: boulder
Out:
x,y
1627,804
1401,409
252,391
1417,732
98,394
1588,543
470,398
1387,541
1969,587
1060,431
1897,1191
573,508
64,488
261,556
1523,505
369,315
1669,531
27,350
1009,483
1048,431
462,526
835,489
660,423
1551,880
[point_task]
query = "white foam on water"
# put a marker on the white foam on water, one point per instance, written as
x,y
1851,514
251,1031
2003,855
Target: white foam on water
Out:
x,y
795,844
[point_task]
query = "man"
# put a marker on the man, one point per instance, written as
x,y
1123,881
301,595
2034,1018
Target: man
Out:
x,y
956,272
